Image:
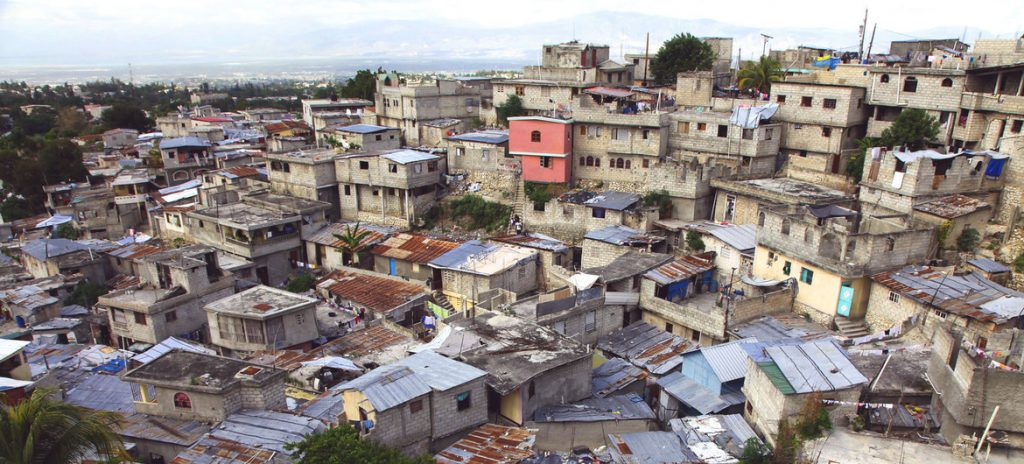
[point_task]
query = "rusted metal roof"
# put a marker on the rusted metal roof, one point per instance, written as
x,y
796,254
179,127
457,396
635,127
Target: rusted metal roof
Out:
x,y
967,294
533,240
238,171
376,293
647,347
490,444
679,269
413,248
135,250
952,206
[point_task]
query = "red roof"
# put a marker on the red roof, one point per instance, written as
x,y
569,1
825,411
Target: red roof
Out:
x,y
413,248
376,293
489,444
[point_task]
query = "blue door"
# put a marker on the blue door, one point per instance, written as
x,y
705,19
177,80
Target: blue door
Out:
x,y
391,266
20,321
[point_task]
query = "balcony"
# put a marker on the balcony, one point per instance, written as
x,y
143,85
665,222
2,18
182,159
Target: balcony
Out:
x,y
977,101
130,199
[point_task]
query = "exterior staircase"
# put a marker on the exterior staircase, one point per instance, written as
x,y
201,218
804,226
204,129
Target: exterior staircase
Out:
x,y
518,204
850,328
442,301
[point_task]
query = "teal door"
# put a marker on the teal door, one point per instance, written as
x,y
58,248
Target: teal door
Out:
x,y
391,267
845,299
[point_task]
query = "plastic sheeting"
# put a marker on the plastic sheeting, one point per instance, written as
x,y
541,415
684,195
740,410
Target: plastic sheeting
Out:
x,y
583,281
750,117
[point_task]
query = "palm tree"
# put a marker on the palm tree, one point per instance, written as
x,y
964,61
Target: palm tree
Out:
x,y
760,75
351,242
43,430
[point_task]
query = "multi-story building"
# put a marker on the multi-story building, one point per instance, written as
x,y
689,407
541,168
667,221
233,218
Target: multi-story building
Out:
x,y
544,147
265,114
393,187
408,106
120,138
821,124
473,268
936,91
306,174
352,106
361,137
168,300
991,107
832,252
185,158
262,318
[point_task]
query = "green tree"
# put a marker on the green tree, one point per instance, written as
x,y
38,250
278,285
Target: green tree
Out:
x,y
362,85
13,208
300,283
968,239
694,242
855,166
913,128
681,53
755,452
512,107
70,121
341,445
942,233
125,116
66,230
659,198
86,294
37,123
351,242
42,430
759,75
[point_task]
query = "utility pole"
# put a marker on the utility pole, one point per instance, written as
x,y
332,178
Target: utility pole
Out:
x,y
872,41
647,57
863,33
764,48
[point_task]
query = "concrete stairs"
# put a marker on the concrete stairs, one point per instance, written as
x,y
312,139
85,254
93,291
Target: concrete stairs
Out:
x,y
519,201
850,328
442,301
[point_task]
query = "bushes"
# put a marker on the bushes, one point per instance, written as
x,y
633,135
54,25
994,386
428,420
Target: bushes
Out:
x,y
694,242
473,212
659,198
968,239
300,283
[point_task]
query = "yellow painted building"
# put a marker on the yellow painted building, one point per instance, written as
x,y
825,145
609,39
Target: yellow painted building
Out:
x,y
818,290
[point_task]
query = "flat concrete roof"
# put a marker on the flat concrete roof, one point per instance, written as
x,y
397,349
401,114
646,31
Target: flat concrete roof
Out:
x,y
261,302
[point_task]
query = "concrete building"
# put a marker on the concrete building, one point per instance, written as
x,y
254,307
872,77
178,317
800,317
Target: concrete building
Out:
x,y
519,381
778,383
591,421
484,158
473,268
407,106
262,318
13,363
120,138
265,114
417,403
393,187
544,148
168,299
984,312
185,158
324,250
361,137
306,174
555,255
196,386
821,123
832,252
936,91
47,257
350,106
743,201
605,245
710,135
580,315
408,255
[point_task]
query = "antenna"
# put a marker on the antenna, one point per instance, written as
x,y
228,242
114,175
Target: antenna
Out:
x,y
766,38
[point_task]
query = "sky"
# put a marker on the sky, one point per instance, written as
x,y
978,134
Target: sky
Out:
x,y
80,33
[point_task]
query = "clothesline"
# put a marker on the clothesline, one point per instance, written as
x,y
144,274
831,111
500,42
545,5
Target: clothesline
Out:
x,y
859,405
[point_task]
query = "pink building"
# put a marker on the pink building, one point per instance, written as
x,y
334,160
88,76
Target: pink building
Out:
x,y
544,146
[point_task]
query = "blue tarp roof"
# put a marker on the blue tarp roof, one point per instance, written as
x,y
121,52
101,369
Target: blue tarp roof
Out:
x,y
111,367
180,142
365,128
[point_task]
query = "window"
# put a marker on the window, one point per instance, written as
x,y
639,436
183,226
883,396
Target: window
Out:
x,y
723,130
392,167
695,335
829,104
890,243
463,401
826,131
646,163
787,267
760,219
780,99
597,212
668,327
785,226
860,103
364,165
894,297
417,168
798,126
684,127
769,133
941,314
590,160
377,137
1015,127
910,84
170,316
460,151
140,318
808,235
118,315
431,166
583,130
520,90
884,79
646,134
597,162
806,275
531,390
806,101
583,161
590,321
485,154
182,401
702,126
802,153
415,406
748,134
947,82
535,136
348,190
620,134
619,163
545,162
593,131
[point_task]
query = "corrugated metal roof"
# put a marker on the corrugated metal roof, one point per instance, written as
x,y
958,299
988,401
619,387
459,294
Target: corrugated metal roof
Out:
x,y
413,248
613,200
616,235
716,439
326,235
327,407
728,360
490,444
489,136
409,156
649,448
679,269
439,372
213,450
135,250
739,236
183,142
613,408
815,366
171,343
162,429
483,258
376,293
692,393
365,128
613,375
388,386
74,310
9,348
988,265
533,240
103,392
962,294
647,347
250,437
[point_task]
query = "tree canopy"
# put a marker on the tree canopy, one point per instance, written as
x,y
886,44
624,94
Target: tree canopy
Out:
x,y
913,128
43,430
512,107
125,116
681,53
759,75
341,445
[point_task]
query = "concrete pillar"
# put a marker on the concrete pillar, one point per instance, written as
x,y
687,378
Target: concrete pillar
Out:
x,y
1020,86
999,83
